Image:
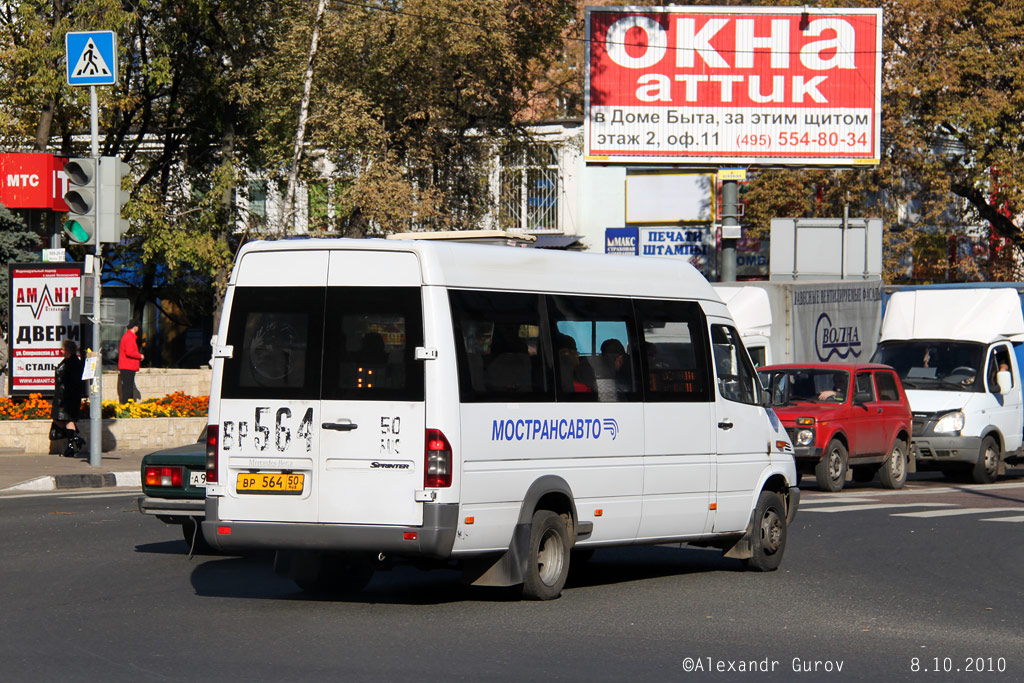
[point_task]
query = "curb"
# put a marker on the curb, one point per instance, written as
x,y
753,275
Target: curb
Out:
x,y
78,481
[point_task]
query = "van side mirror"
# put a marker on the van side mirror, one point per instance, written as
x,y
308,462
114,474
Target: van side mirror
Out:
x,y
766,398
861,397
1005,382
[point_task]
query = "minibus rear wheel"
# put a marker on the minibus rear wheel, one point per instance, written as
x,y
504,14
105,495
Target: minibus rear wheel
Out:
x,y
768,536
547,558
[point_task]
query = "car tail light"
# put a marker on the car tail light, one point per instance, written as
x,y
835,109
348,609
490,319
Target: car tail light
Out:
x,y
212,451
437,472
163,476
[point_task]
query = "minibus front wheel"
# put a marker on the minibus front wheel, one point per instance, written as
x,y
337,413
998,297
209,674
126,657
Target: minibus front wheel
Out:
x,y
768,534
547,558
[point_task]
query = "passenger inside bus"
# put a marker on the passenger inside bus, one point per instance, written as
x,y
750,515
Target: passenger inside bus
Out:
x,y
569,369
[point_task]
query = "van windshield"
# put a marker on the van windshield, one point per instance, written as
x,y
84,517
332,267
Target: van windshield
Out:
x,y
941,365
806,385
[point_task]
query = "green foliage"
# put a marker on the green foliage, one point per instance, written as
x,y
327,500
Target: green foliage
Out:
x,y
952,138
408,100
18,244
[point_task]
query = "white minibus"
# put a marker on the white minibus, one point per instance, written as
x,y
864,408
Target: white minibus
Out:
x,y
500,409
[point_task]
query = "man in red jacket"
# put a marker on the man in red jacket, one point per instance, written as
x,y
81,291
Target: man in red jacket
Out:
x,y
128,359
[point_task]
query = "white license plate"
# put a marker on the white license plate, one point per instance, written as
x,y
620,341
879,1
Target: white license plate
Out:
x,y
197,479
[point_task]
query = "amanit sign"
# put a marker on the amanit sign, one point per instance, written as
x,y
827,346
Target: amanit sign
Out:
x,y
748,86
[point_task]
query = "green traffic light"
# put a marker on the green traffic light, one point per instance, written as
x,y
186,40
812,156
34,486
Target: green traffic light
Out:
x,y
76,232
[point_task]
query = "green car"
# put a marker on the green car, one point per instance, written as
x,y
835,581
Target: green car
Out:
x,y
174,489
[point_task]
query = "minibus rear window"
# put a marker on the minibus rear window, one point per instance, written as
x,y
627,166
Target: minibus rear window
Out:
x,y
276,336
370,344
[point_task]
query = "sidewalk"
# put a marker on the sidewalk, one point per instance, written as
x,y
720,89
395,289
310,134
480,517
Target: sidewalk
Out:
x,y
41,472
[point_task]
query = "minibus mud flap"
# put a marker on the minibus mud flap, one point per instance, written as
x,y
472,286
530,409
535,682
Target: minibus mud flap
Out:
x,y
742,548
507,569
502,570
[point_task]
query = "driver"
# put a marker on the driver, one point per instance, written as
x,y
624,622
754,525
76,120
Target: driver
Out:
x,y
835,393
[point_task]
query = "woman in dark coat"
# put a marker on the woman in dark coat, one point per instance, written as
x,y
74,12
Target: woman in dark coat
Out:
x,y
67,397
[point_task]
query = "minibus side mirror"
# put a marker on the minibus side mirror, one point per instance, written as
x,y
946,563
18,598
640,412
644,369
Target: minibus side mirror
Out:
x,y
766,398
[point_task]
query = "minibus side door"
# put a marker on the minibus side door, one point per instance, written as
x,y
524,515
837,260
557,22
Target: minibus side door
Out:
x,y
742,429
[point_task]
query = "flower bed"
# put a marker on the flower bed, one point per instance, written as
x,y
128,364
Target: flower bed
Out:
x,y
175,404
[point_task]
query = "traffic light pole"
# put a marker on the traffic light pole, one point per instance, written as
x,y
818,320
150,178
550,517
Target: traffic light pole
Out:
x,y
96,391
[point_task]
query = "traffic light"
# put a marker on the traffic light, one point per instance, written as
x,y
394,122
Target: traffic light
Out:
x,y
112,199
80,224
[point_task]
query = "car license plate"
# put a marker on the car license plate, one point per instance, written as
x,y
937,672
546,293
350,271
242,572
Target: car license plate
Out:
x,y
197,479
269,482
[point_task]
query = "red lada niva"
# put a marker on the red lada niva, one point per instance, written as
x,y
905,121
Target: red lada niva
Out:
x,y
843,418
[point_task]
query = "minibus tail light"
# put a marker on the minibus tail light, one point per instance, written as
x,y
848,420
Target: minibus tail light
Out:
x,y
437,471
212,448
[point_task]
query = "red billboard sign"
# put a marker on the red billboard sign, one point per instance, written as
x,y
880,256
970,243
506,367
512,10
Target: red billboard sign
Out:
x,y
752,86
32,181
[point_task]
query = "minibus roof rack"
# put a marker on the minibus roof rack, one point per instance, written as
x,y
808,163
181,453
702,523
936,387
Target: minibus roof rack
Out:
x,y
505,238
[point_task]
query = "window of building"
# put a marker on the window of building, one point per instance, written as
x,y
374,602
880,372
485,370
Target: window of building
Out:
x,y
257,203
530,190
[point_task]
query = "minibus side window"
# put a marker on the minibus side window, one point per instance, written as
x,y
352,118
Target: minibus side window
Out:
x,y
498,345
370,344
736,378
276,336
595,349
675,362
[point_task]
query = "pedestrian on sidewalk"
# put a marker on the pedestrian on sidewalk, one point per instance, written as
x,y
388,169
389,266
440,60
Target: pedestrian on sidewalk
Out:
x,y
128,359
67,398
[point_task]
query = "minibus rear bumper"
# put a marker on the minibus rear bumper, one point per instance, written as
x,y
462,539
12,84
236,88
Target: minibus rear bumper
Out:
x,y
435,538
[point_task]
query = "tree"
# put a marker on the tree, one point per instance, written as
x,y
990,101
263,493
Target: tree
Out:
x,y
408,102
952,137
18,244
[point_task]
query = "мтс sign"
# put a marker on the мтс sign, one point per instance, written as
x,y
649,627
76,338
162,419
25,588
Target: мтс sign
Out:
x,y
737,86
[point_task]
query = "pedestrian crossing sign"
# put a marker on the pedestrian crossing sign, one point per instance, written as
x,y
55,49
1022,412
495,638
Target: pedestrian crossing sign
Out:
x,y
91,57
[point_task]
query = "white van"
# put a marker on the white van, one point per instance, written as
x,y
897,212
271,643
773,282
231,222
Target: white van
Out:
x,y
956,349
378,400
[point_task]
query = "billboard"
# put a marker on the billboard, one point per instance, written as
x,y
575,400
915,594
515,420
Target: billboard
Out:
x,y
32,181
724,85
40,321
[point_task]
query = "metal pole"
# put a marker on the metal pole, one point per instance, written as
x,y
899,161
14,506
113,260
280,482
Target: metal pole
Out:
x,y
730,218
846,224
96,393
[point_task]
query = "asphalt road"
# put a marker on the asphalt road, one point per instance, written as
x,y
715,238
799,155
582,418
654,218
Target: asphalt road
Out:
x,y
870,589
